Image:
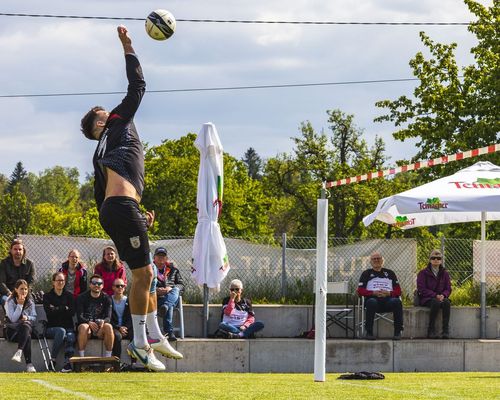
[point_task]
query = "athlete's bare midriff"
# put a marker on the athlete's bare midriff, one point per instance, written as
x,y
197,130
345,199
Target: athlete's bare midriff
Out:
x,y
116,185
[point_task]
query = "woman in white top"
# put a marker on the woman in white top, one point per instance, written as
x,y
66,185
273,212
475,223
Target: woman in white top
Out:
x,y
20,310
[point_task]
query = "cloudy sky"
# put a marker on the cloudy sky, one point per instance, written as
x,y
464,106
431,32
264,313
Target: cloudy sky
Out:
x,y
42,55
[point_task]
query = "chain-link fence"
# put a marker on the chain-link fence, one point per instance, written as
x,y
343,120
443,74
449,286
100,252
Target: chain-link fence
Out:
x,y
282,269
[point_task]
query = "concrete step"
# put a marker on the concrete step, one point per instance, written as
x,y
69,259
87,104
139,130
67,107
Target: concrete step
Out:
x,y
297,355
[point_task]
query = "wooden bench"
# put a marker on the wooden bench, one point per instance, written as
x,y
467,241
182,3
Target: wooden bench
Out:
x,y
95,364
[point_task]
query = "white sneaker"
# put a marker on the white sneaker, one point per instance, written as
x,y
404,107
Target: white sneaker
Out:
x,y
146,356
30,368
17,356
164,347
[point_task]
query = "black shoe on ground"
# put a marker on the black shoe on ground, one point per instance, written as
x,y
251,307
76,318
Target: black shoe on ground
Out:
x,y
445,335
232,335
172,337
397,336
370,336
67,368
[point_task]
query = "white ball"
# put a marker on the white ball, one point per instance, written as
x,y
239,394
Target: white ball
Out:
x,y
160,24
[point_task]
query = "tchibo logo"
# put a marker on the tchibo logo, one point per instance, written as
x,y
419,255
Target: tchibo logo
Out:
x,y
432,204
480,183
403,221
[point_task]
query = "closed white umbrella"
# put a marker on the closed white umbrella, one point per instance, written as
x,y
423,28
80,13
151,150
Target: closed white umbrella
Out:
x,y
471,194
210,260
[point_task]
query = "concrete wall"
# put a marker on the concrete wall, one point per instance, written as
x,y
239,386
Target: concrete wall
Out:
x,y
290,321
297,355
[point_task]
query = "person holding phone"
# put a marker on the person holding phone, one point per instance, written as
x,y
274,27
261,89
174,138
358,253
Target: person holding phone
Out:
x,y
238,318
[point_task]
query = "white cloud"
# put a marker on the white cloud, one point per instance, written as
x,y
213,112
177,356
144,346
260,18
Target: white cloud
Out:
x,y
62,56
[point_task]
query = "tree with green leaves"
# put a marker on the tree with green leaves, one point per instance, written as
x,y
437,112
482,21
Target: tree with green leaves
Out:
x,y
15,212
453,109
253,163
4,182
59,186
295,180
17,177
171,186
86,224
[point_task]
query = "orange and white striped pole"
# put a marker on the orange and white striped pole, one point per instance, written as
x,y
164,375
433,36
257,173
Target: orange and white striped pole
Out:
x,y
493,148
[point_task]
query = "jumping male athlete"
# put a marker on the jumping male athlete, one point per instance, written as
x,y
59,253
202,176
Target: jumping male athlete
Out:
x,y
119,183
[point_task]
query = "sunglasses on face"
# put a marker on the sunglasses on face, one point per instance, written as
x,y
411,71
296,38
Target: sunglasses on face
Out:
x,y
436,258
96,283
235,289
119,286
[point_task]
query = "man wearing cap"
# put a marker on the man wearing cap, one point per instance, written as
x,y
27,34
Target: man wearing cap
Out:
x,y
169,287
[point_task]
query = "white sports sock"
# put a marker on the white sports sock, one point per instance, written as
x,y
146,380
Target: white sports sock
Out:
x,y
107,353
153,327
81,353
139,324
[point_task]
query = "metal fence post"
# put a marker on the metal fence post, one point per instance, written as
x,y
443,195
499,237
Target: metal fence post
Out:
x,y
443,248
283,265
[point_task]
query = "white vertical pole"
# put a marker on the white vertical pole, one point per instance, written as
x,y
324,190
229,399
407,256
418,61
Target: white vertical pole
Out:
x,y
482,329
320,291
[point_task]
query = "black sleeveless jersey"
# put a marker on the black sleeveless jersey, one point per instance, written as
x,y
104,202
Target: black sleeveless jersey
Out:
x,y
120,148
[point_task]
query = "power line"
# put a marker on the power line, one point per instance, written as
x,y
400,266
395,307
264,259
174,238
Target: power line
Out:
x,y
243,21
221,88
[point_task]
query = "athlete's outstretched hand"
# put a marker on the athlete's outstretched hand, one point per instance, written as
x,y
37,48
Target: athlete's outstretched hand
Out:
x,y
125,39
150,218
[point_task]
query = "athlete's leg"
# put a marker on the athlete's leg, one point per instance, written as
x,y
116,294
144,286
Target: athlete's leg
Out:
x,y
139,302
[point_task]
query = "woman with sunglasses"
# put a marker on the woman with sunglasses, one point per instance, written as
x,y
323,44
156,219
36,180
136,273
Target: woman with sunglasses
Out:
x,y
121,319
434,289
238,318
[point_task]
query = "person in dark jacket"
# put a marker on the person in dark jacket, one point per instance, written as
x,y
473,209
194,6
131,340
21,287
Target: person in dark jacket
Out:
x,y
169,286
121,320
381,290
14,267
75,273
93,311
59,307
118,188
434,289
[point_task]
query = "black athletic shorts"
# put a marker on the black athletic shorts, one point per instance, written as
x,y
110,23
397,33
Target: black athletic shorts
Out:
x,y
127,227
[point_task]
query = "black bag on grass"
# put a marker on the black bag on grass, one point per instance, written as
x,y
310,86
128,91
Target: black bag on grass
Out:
x,y
362,375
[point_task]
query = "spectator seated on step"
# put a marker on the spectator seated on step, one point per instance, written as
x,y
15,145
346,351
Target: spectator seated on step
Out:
x,y
381,290
59,306
21,315
121,319
75,273
238,318
110,268
169,286
93,311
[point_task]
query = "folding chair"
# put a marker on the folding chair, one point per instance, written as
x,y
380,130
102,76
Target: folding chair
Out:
x,y
180,311
338,315
38,332
378,316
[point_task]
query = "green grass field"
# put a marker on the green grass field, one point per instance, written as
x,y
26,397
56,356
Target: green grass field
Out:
x,y
231,386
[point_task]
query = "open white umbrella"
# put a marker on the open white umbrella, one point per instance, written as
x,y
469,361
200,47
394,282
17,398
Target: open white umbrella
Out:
x,y
210,261
471,194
